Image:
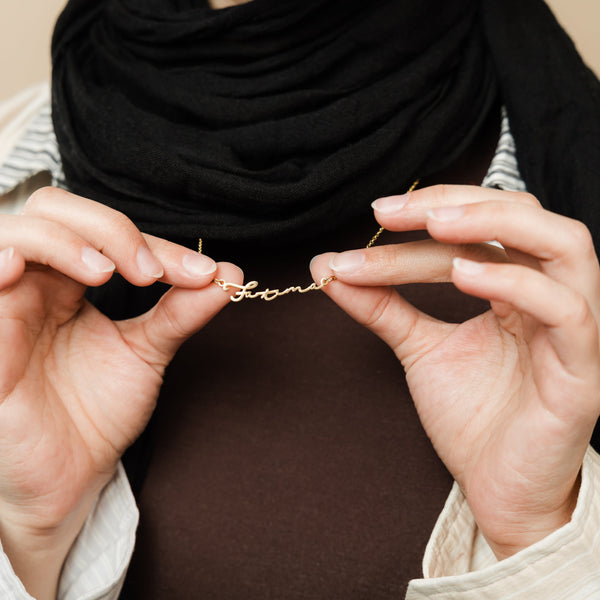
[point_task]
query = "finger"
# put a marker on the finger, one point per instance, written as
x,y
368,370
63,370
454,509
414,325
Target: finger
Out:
x,y
571,325
12,267
54,245
381,309
563,246
426,261
408,212
106,229
182,267
181,312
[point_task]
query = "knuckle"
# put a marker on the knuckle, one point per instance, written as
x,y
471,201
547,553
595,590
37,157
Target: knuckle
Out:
x,y
173,324
376,315
56,236
39,199
385,258
440,194
577,244
121,222
577,312
527,198
580,235
122,227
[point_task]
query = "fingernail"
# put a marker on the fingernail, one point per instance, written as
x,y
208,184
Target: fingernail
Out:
x,y
347,262
446,213
390,204
96,261
198,265
147,264
468,267
6,256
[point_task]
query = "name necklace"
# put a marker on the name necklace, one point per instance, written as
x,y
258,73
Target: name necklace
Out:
x,y
245,291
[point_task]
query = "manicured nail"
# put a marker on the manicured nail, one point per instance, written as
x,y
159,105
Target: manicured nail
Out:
x,y
347,262
446,213
147,264
468,267
390,204
198,265
96,261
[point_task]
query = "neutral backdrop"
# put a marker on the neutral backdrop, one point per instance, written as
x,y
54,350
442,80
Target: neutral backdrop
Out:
x,y
26,26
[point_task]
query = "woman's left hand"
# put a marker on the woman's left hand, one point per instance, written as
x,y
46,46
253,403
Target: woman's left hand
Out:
x,y
509,398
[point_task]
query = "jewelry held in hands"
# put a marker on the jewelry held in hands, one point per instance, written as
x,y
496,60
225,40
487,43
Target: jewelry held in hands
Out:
x,y
245,290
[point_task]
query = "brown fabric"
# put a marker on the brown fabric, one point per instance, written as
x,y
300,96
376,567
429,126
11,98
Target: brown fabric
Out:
x,y
289,461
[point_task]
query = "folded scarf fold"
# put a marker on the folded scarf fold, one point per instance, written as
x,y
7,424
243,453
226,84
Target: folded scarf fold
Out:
x,y
279,119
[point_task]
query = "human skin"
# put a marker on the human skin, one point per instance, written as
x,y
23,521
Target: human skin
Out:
x,y
509,398
77,388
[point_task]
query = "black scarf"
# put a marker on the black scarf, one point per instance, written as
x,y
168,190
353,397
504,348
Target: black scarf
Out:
x,y
283,118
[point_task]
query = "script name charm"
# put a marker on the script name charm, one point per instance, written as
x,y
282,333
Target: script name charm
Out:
x,y
245,290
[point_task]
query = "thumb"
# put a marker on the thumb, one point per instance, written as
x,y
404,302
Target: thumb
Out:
x,y
181,312
404,328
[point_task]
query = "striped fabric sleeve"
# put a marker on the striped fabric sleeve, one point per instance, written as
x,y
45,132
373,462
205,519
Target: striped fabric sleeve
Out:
x,y
458,565
36,149
97,563
503,172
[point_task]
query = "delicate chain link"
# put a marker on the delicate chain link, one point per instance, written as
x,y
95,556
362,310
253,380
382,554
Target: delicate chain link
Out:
x,y
245,290
382,229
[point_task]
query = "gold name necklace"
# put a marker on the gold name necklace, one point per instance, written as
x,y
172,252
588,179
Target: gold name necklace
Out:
x,y
246,290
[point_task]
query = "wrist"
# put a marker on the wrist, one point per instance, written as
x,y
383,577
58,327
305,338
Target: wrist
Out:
x,y
37,552
525,529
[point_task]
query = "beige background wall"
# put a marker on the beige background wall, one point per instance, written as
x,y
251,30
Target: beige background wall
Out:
x,y
26,25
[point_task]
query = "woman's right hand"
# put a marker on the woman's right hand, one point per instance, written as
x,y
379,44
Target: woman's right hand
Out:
x,y
76,389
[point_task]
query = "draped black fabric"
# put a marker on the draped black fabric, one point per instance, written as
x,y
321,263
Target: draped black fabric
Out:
x,y
267,120
553,100
278,119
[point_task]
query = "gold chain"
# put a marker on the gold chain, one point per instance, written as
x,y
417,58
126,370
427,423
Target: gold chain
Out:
x,y
382,229
246,290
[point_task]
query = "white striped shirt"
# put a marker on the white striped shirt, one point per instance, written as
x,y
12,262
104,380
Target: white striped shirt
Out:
x,y
458,563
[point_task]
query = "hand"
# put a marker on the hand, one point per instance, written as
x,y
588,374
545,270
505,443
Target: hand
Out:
x,y
76,389
509,399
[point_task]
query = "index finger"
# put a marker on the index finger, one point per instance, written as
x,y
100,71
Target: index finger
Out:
x,y
140,258
108,230
408,212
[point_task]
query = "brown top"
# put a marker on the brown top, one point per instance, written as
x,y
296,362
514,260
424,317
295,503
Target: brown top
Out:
x,y
289,461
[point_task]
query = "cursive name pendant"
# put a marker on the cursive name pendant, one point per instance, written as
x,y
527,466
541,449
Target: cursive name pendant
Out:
x,y
244,291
